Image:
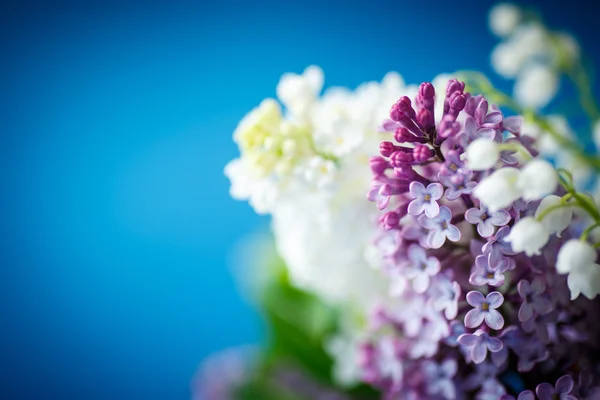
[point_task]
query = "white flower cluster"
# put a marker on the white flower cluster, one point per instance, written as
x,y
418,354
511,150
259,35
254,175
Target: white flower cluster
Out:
x,y
530,54
309,169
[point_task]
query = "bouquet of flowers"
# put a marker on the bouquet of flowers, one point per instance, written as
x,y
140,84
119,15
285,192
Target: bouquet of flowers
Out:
x,y
436,241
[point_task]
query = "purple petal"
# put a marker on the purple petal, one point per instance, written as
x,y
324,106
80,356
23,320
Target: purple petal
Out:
x,y
473,215
432,209
478,353
494,319
453,233
426,222
544,391
495,299
475,298
453,194
500,218
389,126
564,385
416,254
436,239
538,286
476,279
526,395
513,125
449,367
468,339
488,133
416,189
420,283
493,118
494,344
435,190
445,214
525,312
542,305
485,228
416,207
474,318
523,288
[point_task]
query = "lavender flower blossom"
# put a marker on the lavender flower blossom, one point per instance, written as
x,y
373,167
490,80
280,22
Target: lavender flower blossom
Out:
x,y
562,390
483,274
458,184
486,220
497,249
477,345
534,300
439,377
525,395
485,309
420,268
425,199
440,228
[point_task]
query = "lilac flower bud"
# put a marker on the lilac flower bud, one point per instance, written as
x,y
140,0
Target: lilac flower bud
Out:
x,y
378,165
390,220
399,158
454,85
404,105
426,93
402,135
386,148
404,172
422,153
457,102
425,118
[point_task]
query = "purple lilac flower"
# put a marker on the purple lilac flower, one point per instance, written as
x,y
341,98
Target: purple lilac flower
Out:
x,y
440,228
585,386
530,354
562,390
486,220
458,184
439,377
425,199
485,310
483,274
420,268
380,193
490,390
444,296
456,330
525,395
477,345
482,372
498,250
534,299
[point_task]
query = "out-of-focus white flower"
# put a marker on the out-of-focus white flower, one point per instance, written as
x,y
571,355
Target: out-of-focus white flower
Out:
x,y
499,189
536,85
504,18
482,154
528,235
319,172
584,280
575,254
537,179
596,135
558,220
299,92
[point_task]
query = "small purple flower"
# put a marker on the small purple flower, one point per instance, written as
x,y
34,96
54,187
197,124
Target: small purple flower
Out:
x,y
452,165
483,274
525,395
477,345
497,249
485,309
534,299
439,377
490,390
472,131
440,228
420,268
562,390
486,220
530,354
585,387
380,193
444,296
456,330
457,184
425,199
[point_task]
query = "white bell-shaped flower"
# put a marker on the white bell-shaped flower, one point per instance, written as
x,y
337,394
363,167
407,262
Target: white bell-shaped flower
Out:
x,y
528,235
557,220
537,179
482,154
504,18
499,189
575,254
584,280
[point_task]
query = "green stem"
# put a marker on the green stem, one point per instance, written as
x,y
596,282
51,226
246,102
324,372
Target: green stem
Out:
x,y
588,230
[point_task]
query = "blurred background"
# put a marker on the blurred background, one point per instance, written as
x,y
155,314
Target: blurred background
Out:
x,y
116,225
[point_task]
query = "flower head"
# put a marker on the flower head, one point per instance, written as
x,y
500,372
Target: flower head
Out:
x,y
484,310
477,345
425,199
486,220
440,228
562,390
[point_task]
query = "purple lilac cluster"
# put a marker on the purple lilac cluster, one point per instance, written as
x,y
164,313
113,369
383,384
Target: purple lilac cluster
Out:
x,y
470,318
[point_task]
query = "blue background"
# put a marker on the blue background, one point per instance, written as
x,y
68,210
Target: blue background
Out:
x,y
116,225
